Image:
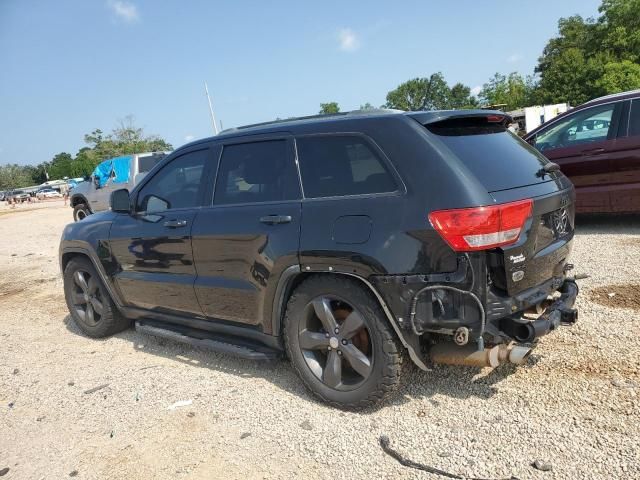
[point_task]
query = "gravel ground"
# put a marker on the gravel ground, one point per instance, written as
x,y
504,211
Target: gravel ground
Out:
x,y
574,406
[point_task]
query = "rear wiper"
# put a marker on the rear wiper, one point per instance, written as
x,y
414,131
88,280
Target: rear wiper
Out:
x,y
548,168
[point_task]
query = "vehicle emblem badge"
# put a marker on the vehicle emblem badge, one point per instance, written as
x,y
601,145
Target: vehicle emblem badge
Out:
x,y
517,276
560,219
517,258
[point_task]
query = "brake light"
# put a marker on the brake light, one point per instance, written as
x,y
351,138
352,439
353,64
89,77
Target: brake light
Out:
x,y
495,118
481,228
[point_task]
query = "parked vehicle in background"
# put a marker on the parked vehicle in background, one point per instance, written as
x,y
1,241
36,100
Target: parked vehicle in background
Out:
x,y
48,193
121,172
597,145
18,196
345,240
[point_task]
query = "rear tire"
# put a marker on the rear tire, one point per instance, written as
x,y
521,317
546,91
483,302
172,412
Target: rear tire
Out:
x,y
89,302
80,211
340,342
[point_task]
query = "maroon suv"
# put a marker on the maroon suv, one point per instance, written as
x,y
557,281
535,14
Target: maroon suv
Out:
x,y
597,145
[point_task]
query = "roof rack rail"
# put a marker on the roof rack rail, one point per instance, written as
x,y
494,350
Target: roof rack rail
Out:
x,y
612,96
370,111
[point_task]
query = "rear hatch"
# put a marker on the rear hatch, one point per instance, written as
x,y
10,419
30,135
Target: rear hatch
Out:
x,y
512,170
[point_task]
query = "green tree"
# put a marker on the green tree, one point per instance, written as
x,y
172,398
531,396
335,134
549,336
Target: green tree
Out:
x,y
510,91
460,97
420,94
574,64
620,24
14,176
367,106
619,77
329,108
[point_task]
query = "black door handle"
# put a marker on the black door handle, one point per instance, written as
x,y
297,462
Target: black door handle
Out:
x,y
175,223
275,219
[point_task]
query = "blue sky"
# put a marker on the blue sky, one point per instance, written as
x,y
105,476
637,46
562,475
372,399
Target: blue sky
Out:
x,y
70,66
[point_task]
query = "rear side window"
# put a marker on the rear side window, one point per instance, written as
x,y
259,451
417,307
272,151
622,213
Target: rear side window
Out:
x,y
341,165
634,118
498,158
256,172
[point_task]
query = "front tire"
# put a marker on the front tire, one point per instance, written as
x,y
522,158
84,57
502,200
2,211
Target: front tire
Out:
x,y
340,342
80,211
89,302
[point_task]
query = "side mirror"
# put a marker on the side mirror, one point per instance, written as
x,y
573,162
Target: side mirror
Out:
x,y
120,201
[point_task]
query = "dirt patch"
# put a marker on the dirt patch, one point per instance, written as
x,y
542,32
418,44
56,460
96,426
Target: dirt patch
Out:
x,y
617,296
8,292
630,242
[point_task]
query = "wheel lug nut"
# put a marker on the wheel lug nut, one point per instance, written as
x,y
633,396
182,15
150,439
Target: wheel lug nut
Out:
x,y
344,342
326,335
337,330
339,352
329,348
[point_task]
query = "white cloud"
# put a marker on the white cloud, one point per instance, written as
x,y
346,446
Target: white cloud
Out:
x,y
189,137
475,91
125,11
348,40
515,57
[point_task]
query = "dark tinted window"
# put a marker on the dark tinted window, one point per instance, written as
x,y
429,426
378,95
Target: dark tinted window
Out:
x,y
634,118
495,156
256,172
177,185
147,163
341,165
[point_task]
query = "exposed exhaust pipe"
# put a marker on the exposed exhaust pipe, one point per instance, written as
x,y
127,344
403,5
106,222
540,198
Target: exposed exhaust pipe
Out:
x,y
469,355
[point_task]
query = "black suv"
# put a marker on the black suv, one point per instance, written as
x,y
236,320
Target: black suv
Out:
x,y
343,241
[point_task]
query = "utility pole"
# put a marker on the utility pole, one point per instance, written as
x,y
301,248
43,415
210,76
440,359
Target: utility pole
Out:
x,y
213,118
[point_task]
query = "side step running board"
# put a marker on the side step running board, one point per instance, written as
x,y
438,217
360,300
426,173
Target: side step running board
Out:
x,y
208,341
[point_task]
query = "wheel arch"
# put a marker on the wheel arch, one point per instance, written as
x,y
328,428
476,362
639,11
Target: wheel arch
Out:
x,y
79,199
70,253
293,276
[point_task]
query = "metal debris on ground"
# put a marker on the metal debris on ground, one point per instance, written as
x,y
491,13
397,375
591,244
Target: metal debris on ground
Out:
x,y
95,389
542,466
181,403
385,443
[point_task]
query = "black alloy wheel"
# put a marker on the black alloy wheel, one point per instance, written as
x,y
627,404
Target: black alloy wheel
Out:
x,y
336,343
86,298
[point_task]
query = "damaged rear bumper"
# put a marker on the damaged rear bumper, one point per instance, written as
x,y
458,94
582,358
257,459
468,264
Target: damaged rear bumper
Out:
x,y
560,312
450,318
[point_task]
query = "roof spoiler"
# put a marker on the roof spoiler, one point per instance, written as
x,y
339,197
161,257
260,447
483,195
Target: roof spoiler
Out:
x,y
492,116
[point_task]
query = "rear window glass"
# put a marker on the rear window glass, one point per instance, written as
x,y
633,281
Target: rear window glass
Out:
x,y
339,165
498,158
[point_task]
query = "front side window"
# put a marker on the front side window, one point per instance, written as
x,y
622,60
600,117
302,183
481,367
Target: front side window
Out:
x,y
340,165
177,185
589,125
256,172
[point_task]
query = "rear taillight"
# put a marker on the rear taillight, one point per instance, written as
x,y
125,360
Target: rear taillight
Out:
x,y
481,228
